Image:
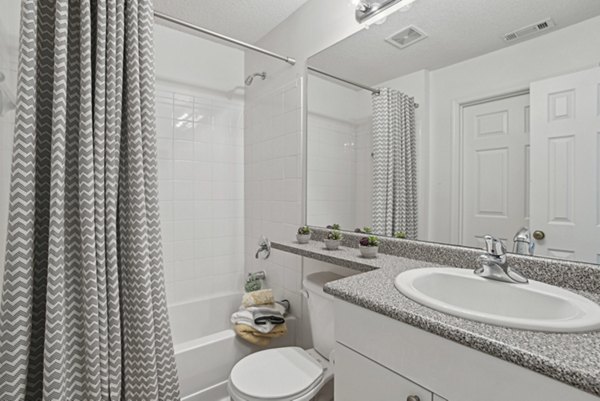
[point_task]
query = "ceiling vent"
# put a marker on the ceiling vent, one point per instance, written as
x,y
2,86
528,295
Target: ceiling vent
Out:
x,y
406,37
529,30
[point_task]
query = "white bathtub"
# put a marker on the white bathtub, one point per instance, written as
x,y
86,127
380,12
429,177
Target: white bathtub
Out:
x,y
206,348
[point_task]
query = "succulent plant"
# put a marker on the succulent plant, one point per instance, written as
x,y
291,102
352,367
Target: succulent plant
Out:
x,y
364,230
369,241
334,226
253,285
334,235
400,234
304,230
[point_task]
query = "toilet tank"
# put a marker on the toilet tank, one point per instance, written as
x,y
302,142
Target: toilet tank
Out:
x,y
320,310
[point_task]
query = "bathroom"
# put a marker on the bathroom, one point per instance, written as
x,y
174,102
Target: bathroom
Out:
x,y
270,124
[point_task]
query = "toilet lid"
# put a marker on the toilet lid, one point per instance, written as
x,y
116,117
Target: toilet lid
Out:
x,y
276,373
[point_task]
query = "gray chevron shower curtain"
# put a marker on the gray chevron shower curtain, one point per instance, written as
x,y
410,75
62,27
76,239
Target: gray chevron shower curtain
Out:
x,y
83,314
394,164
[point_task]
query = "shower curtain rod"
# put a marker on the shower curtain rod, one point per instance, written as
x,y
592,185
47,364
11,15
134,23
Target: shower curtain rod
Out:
x,y
375,91
193,27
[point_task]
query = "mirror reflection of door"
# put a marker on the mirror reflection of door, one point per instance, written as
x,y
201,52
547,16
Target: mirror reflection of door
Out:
x,y
495,169
565,165
556,163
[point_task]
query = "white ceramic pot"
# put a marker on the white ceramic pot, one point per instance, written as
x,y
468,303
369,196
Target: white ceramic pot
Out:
x,y
303,238
332,244
368,252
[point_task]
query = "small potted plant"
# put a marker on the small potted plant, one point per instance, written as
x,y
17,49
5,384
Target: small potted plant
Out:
x,y
364,230
400,234
334,226
333,240
303,235
369,246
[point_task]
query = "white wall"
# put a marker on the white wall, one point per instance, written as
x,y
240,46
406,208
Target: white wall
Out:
x,y
197,61
201,164
560,52
336,100
9,38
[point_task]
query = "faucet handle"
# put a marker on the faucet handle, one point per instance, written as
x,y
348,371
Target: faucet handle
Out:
x,y
494,246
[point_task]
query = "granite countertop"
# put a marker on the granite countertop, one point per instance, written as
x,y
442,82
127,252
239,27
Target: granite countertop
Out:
x,y
572,358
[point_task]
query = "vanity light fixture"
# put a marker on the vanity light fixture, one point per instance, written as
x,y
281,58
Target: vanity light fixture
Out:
x,y
367,9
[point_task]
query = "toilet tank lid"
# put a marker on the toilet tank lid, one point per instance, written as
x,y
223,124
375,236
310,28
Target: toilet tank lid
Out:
x,y
316,281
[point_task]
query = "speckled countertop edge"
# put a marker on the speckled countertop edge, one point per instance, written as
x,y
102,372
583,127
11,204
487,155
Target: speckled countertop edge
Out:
x,y
573,359
562,273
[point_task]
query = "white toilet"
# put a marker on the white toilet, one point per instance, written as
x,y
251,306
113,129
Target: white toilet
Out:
x,y
291,373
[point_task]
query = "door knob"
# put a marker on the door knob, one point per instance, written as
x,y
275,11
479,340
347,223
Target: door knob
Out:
x,y
539,234
413,398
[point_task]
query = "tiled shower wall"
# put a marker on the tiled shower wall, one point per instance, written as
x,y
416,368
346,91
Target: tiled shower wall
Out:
x,y
201,172
273,191
331,172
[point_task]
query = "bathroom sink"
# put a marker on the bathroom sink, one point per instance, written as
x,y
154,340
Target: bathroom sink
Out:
x,y
534,306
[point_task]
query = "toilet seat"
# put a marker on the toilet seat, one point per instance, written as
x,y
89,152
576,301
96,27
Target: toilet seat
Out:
x,y
280,374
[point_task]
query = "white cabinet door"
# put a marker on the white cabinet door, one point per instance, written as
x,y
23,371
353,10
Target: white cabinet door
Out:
x,y
358,378
495,169
565,165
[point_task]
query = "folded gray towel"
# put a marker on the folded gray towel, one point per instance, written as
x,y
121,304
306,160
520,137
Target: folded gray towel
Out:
x,y
263,316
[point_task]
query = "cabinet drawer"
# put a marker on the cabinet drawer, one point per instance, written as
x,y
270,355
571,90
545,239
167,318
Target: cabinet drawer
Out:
x,y
358,378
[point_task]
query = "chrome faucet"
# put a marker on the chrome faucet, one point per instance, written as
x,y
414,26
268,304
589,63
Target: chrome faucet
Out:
x,y
523,244
494,265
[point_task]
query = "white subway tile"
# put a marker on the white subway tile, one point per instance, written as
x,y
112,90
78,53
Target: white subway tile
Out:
x,y
165,148
164,127
183,190
183,112
184,170
183,150
183,250
183,130
164,109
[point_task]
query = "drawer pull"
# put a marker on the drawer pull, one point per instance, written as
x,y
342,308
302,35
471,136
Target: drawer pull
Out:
x,y
413,398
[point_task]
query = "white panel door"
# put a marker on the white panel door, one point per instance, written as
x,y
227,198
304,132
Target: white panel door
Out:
x,y
495,145
565,165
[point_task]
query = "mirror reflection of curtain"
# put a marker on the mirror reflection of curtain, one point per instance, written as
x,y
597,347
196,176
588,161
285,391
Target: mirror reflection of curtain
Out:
x,y
394,164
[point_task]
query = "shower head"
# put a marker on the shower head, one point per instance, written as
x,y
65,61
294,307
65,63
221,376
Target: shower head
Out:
x,y
250,78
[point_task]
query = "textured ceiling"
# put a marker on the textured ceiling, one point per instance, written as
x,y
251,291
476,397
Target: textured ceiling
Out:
x,y
457,30
246,20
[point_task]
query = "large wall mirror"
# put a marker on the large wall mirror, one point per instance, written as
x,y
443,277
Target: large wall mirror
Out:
x,y
447,121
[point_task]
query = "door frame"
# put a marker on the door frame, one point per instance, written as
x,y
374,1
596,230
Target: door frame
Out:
x,y
456,187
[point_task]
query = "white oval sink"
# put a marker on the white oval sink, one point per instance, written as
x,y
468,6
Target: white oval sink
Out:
x,y
533,306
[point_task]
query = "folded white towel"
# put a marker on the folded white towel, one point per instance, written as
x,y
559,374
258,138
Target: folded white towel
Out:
x,y
246,318
268,308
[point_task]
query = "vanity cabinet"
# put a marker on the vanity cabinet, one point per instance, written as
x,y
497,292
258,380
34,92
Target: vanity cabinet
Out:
x,y
358,379
379,358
